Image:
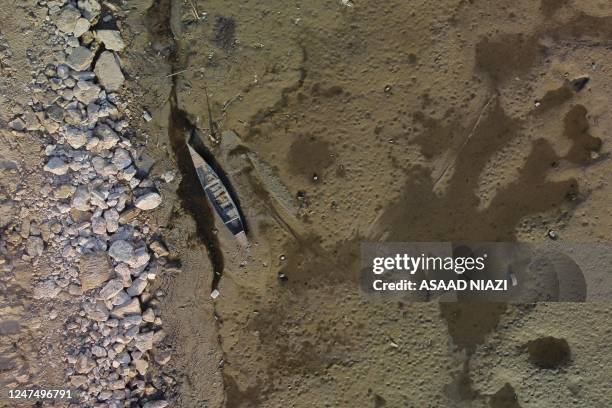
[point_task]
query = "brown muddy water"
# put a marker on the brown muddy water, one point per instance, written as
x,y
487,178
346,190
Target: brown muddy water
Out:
x,y
381,121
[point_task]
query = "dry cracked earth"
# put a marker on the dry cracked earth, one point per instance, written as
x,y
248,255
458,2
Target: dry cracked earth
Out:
x,y
336,123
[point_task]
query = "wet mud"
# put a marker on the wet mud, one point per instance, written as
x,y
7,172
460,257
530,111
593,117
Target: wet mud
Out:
x,y
446,131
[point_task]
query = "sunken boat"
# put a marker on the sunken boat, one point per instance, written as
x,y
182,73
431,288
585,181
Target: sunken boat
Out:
x,y
219,197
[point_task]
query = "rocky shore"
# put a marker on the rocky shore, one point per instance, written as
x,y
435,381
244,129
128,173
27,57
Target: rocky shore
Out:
x,y
88,225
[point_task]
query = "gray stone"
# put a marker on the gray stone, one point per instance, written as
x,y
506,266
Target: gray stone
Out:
x,y
131,321
112,220
108,137
162,357
46,290
128,308
64,191
99,313
98,351
98,225
141,366
67,19
76,138
138,286
111,39
56,166
111,289
108,71
81,27
78,380
84,364
89,8
121,158
148,201
80,199
86,92
141,258
94,270
148,316
80,59
144,341
122,251
121,297
34,246
17,124
159,248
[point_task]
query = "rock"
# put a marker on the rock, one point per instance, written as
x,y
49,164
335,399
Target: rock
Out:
x,y
84,364
46,290
99,313
141,366
17,124
111,39
98,225
98,351
89,8
108,137
112,220
159,336
109,72
156,404
78,380
112,288
81,27
95,269
144,341
34,246
148,316
75,290
159,249
131,321
56,166
122,251
138,286
76,138
128,215
67,19
141,258
86,92
80,199
117,385
148,201
80,59
64,191
162,357
121,158
131,307
121,297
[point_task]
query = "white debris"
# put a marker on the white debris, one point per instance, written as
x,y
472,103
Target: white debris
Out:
x,y
148,201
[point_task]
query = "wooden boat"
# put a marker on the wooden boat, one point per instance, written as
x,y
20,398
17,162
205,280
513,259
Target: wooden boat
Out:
x,y
219,197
